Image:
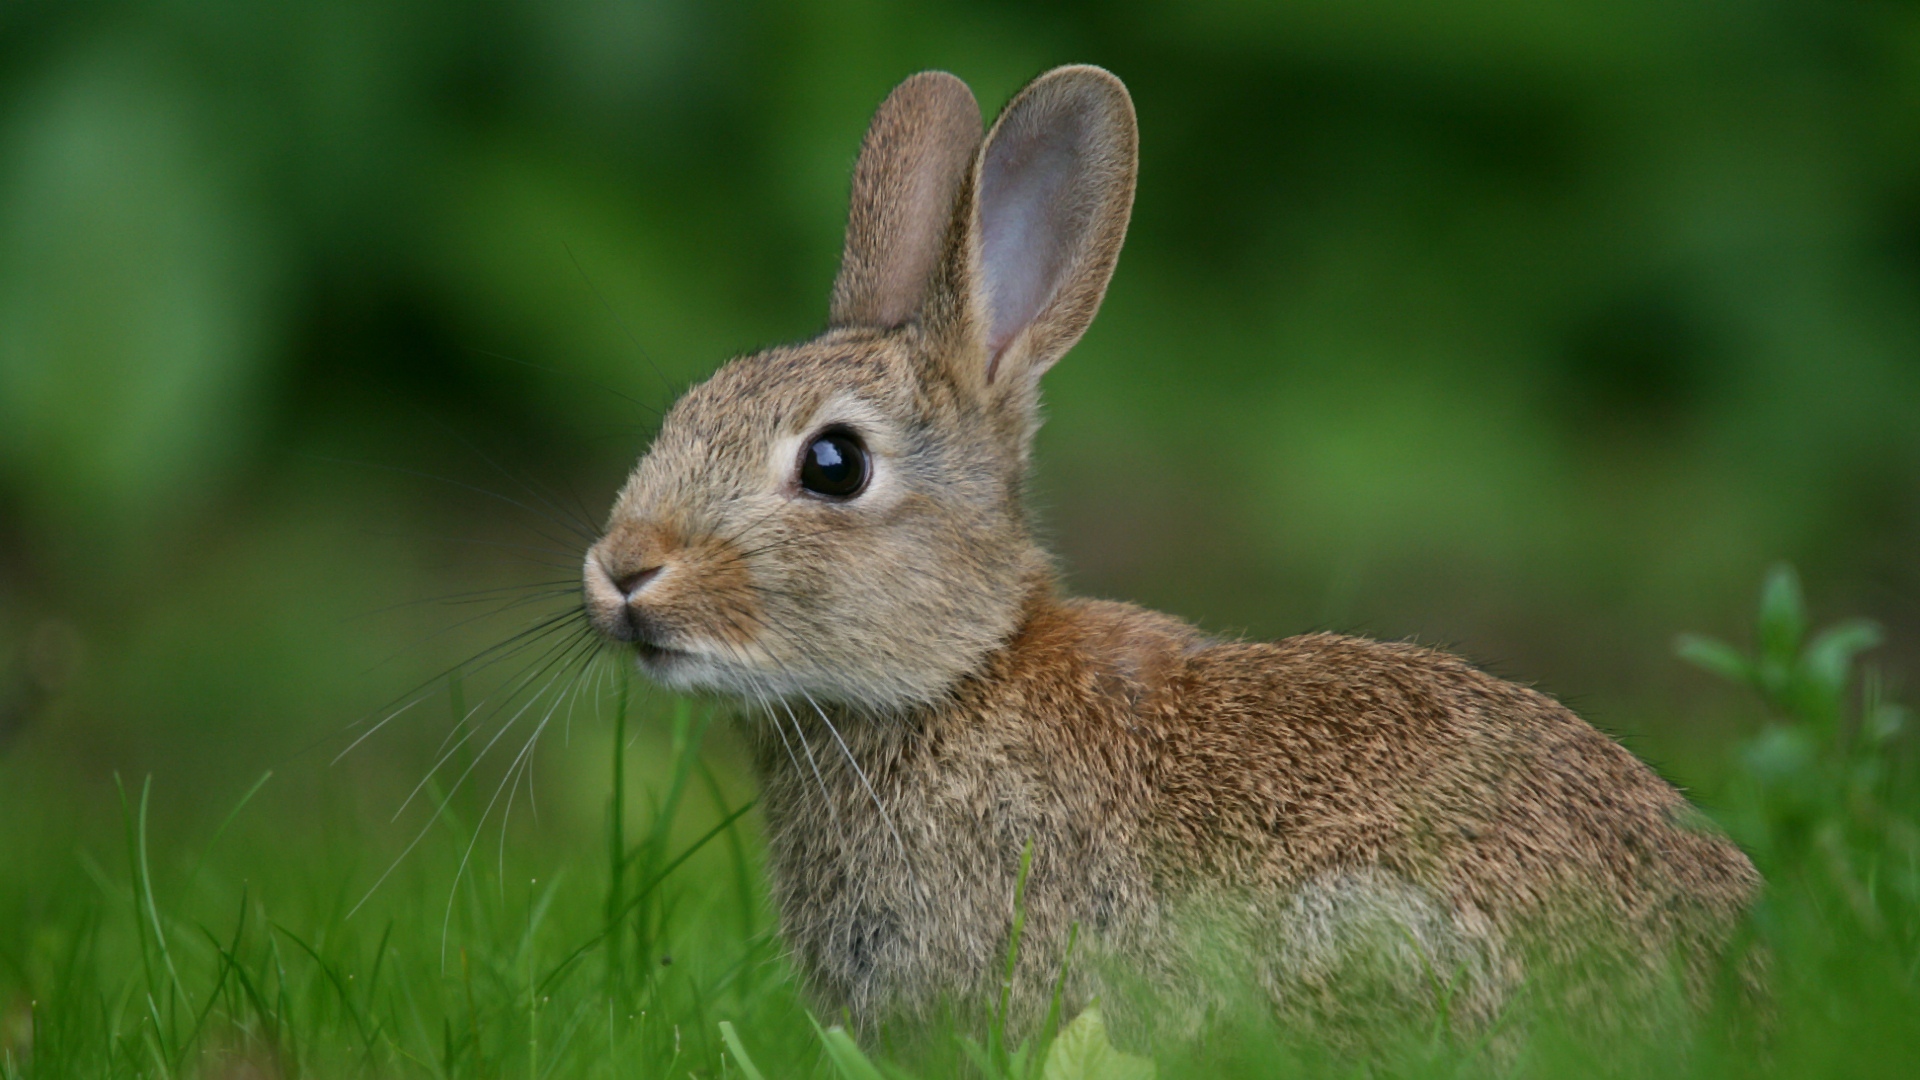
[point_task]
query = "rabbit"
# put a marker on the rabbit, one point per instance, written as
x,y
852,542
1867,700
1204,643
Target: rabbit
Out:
x,y
833,535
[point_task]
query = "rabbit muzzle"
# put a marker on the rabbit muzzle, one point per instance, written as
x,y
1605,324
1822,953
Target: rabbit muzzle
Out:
x,y
613,589
672,600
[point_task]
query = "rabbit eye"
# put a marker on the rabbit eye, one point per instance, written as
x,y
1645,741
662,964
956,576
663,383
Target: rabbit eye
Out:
x,y
835,465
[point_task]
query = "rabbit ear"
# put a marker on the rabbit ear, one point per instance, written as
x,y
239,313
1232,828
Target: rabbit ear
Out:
x,y
916,154
1050,200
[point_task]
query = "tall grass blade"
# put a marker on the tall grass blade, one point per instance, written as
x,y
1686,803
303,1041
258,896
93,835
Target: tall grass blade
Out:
x,y
739,1052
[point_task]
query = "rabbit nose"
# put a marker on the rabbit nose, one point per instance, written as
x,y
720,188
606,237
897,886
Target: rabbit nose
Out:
x,y
634,582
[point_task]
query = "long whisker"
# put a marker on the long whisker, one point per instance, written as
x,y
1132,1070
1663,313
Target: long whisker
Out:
x,y
579,503
496,653
428,827
749,526
446,925
821,533
525,601
845,750
556,587
564,552
826,797
534,671
570,589
523,761
564,517
806,747
766,707
583,534
595,383
864,782
589,675
628,330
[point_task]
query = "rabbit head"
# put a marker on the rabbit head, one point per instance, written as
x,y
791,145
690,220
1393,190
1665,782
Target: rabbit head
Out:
x,y
844,518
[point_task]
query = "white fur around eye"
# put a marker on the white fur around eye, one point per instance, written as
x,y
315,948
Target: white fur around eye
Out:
x,y
875,433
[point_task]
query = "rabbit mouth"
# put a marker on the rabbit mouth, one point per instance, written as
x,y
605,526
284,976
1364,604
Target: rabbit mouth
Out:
x,y
655,655
682,668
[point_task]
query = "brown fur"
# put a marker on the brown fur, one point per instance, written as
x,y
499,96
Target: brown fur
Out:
x,y
1343,824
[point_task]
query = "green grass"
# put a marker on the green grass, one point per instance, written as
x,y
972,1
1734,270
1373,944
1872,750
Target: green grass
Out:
x,y
646,948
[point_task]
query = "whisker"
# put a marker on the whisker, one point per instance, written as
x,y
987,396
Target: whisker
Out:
x,y
826,795
428,827
466,856
798,537
759,691
628,330
556,587
425,689
871,794
582,534
523,762
733,623
595,383
579,503
533,672
826,799
568,553
565,516
823,530
750,525
571,610
556,654
571,589
845,750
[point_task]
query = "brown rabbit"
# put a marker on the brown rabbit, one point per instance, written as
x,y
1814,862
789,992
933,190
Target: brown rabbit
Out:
x,y
834,534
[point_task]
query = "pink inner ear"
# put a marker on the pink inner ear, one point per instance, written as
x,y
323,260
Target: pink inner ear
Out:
x,y
1028,219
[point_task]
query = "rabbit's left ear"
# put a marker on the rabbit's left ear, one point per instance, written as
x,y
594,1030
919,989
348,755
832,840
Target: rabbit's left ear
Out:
x,y
1041,225
913,162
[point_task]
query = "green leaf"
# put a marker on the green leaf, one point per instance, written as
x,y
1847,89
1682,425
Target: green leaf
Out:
x,y
1885,721
739,1052
1828,660
1082,1052
1019,1063
1780,755
982,1060
1715,656
1783,616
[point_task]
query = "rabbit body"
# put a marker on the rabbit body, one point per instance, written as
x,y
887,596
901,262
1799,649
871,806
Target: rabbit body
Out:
x,y
1209,809
834,535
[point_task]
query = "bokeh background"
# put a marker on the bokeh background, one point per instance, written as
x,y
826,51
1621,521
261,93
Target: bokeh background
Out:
x,y
1536,331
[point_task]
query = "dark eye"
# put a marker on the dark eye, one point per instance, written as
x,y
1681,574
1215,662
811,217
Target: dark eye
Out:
x,y
835,465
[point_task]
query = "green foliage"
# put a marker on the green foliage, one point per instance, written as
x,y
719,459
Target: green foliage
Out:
x,y
1082,1052
732,1038
1800,680
1824,792
1821,781
127,984
848,1061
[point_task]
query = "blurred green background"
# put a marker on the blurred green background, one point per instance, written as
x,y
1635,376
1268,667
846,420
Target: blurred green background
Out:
x,y
1530,330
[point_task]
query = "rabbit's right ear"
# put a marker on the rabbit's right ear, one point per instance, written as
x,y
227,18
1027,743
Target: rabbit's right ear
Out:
x,y
1037,231
917,152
